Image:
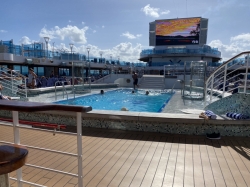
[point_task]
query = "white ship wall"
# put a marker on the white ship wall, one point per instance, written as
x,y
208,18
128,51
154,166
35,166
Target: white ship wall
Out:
x,y
121,79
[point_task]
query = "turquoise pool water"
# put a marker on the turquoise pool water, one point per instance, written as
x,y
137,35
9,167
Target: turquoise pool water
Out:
x,y
117,99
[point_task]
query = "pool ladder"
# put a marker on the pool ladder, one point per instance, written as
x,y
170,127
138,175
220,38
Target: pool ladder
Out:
x,y
64,89
181,82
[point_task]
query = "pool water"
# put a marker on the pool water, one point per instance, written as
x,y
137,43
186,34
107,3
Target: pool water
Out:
x,y
117,99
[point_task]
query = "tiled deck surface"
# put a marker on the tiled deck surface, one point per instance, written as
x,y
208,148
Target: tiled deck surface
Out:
x,y
119,158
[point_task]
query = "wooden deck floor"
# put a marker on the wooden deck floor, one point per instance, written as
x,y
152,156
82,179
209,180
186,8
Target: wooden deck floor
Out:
x,y
119,158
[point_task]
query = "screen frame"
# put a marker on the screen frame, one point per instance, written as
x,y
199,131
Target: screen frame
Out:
x,y
173,41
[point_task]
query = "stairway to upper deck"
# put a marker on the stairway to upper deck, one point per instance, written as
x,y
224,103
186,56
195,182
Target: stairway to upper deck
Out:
x,y
231,77
14,83
152,82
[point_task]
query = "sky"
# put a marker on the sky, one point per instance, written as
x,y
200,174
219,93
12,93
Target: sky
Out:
x,y
120,28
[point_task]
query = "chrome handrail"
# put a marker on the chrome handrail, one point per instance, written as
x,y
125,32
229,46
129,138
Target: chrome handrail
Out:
x,y
224,76
64,89
13,75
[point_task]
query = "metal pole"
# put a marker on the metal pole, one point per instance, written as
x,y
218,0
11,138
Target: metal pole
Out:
x,y
225,79
73,73
53,49
247,65
211,89
11,81
17,141
55,93
89,65
79,147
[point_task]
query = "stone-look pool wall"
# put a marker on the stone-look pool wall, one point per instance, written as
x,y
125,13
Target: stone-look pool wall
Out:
x,y
238,103
189,124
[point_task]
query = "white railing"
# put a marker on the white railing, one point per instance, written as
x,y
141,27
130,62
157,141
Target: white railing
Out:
x,y
13,81
36,107
229,78
101,79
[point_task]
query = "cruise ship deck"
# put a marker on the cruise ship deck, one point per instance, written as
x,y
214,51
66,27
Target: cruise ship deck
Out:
x,y
122,158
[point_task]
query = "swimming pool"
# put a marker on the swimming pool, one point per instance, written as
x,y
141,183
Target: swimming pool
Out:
x,y
117,99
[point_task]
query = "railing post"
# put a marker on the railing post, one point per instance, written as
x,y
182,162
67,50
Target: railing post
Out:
x,y
79,147
26,94
11,82
225,80
17,141
247,64
55,93
212,87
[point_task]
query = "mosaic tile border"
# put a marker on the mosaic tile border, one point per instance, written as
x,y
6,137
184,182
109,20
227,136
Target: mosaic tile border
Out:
x,y
238,103
200,127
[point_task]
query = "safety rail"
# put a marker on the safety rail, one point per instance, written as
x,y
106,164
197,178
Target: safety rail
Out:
x,y
78,85
20,106
64,89
13,81
229,78
102,79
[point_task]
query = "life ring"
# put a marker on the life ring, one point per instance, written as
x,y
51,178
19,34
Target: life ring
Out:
x,y
128,80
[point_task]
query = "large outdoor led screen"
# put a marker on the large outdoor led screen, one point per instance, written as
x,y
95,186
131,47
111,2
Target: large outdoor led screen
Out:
x,y
178,31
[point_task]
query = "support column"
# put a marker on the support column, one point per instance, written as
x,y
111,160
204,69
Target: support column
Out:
x,y
4,180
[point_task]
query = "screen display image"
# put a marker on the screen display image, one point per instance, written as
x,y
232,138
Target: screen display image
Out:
x,y
178,31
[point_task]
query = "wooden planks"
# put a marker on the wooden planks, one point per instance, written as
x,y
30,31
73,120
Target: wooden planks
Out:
x,y
118,158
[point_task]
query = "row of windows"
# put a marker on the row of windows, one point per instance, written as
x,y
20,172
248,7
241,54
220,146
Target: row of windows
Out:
x,y
46,71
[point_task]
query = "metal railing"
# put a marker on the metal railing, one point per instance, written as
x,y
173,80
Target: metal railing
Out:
x,y
102,79
13,81
229,78
32,107
78,85
64,89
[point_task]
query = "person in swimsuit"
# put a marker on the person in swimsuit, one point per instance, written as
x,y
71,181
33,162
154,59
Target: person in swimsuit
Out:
x,y
31,78
135,78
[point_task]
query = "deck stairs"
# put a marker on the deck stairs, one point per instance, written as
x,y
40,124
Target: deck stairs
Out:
x,y
229,78
11,81
152,82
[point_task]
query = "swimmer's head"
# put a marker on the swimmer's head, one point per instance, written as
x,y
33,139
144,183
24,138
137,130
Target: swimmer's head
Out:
x,y
101,92
124,109
147,92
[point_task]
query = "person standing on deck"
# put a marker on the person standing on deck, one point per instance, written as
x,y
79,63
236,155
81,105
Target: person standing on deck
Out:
x,y
32,79
135,78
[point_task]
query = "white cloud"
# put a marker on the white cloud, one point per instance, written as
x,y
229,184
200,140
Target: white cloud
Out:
x,y
94,31
3,31
150,11
126,51
131,36
75,34
103,26
83,23
154,12
26,40
237,45
165,12
69,21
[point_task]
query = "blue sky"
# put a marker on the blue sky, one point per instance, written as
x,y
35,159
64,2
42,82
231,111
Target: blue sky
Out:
x,y
120,28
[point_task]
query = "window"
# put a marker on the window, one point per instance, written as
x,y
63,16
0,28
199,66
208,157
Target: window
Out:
x,y
25,70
